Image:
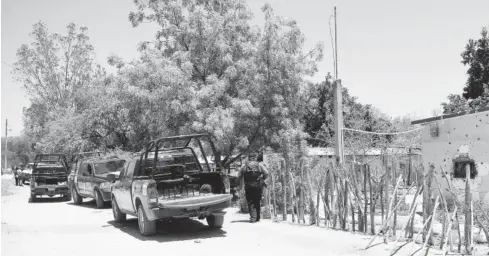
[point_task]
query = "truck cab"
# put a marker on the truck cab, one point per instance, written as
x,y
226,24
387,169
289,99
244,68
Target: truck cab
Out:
x,y
167,181
90,179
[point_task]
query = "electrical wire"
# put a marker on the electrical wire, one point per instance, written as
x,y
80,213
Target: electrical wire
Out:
x,y
382,133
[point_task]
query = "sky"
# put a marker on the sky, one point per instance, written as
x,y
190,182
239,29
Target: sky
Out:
x,y
403,58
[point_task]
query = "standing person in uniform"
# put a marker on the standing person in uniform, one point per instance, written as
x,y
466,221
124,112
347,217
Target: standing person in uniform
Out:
x,y
253,173
17,176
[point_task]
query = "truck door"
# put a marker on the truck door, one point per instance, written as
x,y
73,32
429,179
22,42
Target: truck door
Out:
x,y
125,197
81,178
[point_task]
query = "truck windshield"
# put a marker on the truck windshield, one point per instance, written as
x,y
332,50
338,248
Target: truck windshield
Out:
x,y
102,169
49,165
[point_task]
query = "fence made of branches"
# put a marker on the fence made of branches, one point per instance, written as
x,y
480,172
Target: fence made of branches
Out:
x,y
383,191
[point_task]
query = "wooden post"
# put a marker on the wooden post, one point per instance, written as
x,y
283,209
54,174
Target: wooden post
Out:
x,y
387,184
372,203
394,168
427,198
365,178
468,212
345,205
381,184
410,166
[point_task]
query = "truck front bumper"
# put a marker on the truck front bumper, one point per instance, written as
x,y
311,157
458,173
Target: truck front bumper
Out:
x,y
50,190
191,207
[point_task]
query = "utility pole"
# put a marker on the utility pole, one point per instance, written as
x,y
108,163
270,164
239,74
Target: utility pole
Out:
x,y
335,46
338,103
6,143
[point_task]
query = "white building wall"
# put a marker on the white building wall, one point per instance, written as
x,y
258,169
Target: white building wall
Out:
x,y
463,134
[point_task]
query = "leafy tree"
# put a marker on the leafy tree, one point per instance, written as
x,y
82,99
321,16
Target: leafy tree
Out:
x,y
476,56
54,67
476,92
319,116
242,85
55,70
20,151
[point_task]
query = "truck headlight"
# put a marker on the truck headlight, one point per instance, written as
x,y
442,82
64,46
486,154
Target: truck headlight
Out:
x,y
62,183
105,185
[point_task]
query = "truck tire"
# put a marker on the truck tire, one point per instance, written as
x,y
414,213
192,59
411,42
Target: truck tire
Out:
x,y
118,215
77,199
146,227
215,221
98,199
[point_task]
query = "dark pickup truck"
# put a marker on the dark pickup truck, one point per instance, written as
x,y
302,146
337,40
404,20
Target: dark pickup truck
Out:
x,y
89,179
49,176
169,182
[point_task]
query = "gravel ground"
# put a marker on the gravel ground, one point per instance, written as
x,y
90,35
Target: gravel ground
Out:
x,y
52,227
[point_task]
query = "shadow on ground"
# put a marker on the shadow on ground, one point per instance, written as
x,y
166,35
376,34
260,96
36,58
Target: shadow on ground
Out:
x,y
240,221
41,200
89,204
178,230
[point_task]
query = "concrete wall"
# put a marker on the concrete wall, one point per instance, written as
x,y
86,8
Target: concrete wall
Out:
x,y
465,134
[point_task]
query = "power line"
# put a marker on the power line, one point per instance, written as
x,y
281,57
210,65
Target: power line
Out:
x,y
383,133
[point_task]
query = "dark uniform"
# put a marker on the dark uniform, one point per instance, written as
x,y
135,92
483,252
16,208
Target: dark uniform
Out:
x,y
254,174
17,176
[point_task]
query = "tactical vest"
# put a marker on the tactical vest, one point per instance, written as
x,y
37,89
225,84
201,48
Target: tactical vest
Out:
x,y
251,174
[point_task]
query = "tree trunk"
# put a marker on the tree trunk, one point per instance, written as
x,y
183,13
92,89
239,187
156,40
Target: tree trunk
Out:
x,y
312,207
292,193
352,217
274,196
301,197
284,190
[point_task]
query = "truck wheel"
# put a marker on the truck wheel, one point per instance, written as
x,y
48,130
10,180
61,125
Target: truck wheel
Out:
x,y
118,215
146,227
77,199
98,199
215,221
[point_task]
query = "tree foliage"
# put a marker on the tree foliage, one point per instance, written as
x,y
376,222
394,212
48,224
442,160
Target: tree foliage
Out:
x,y
476,91
319,115
476,57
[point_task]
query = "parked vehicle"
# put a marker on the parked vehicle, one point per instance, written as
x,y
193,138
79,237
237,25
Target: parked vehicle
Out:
x,y
49,176
75,162
167,181
89,179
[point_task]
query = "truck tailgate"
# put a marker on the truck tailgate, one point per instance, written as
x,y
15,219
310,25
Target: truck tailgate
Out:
x,y
195,202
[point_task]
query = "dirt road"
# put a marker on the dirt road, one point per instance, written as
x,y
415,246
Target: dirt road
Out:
x,y
53,227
